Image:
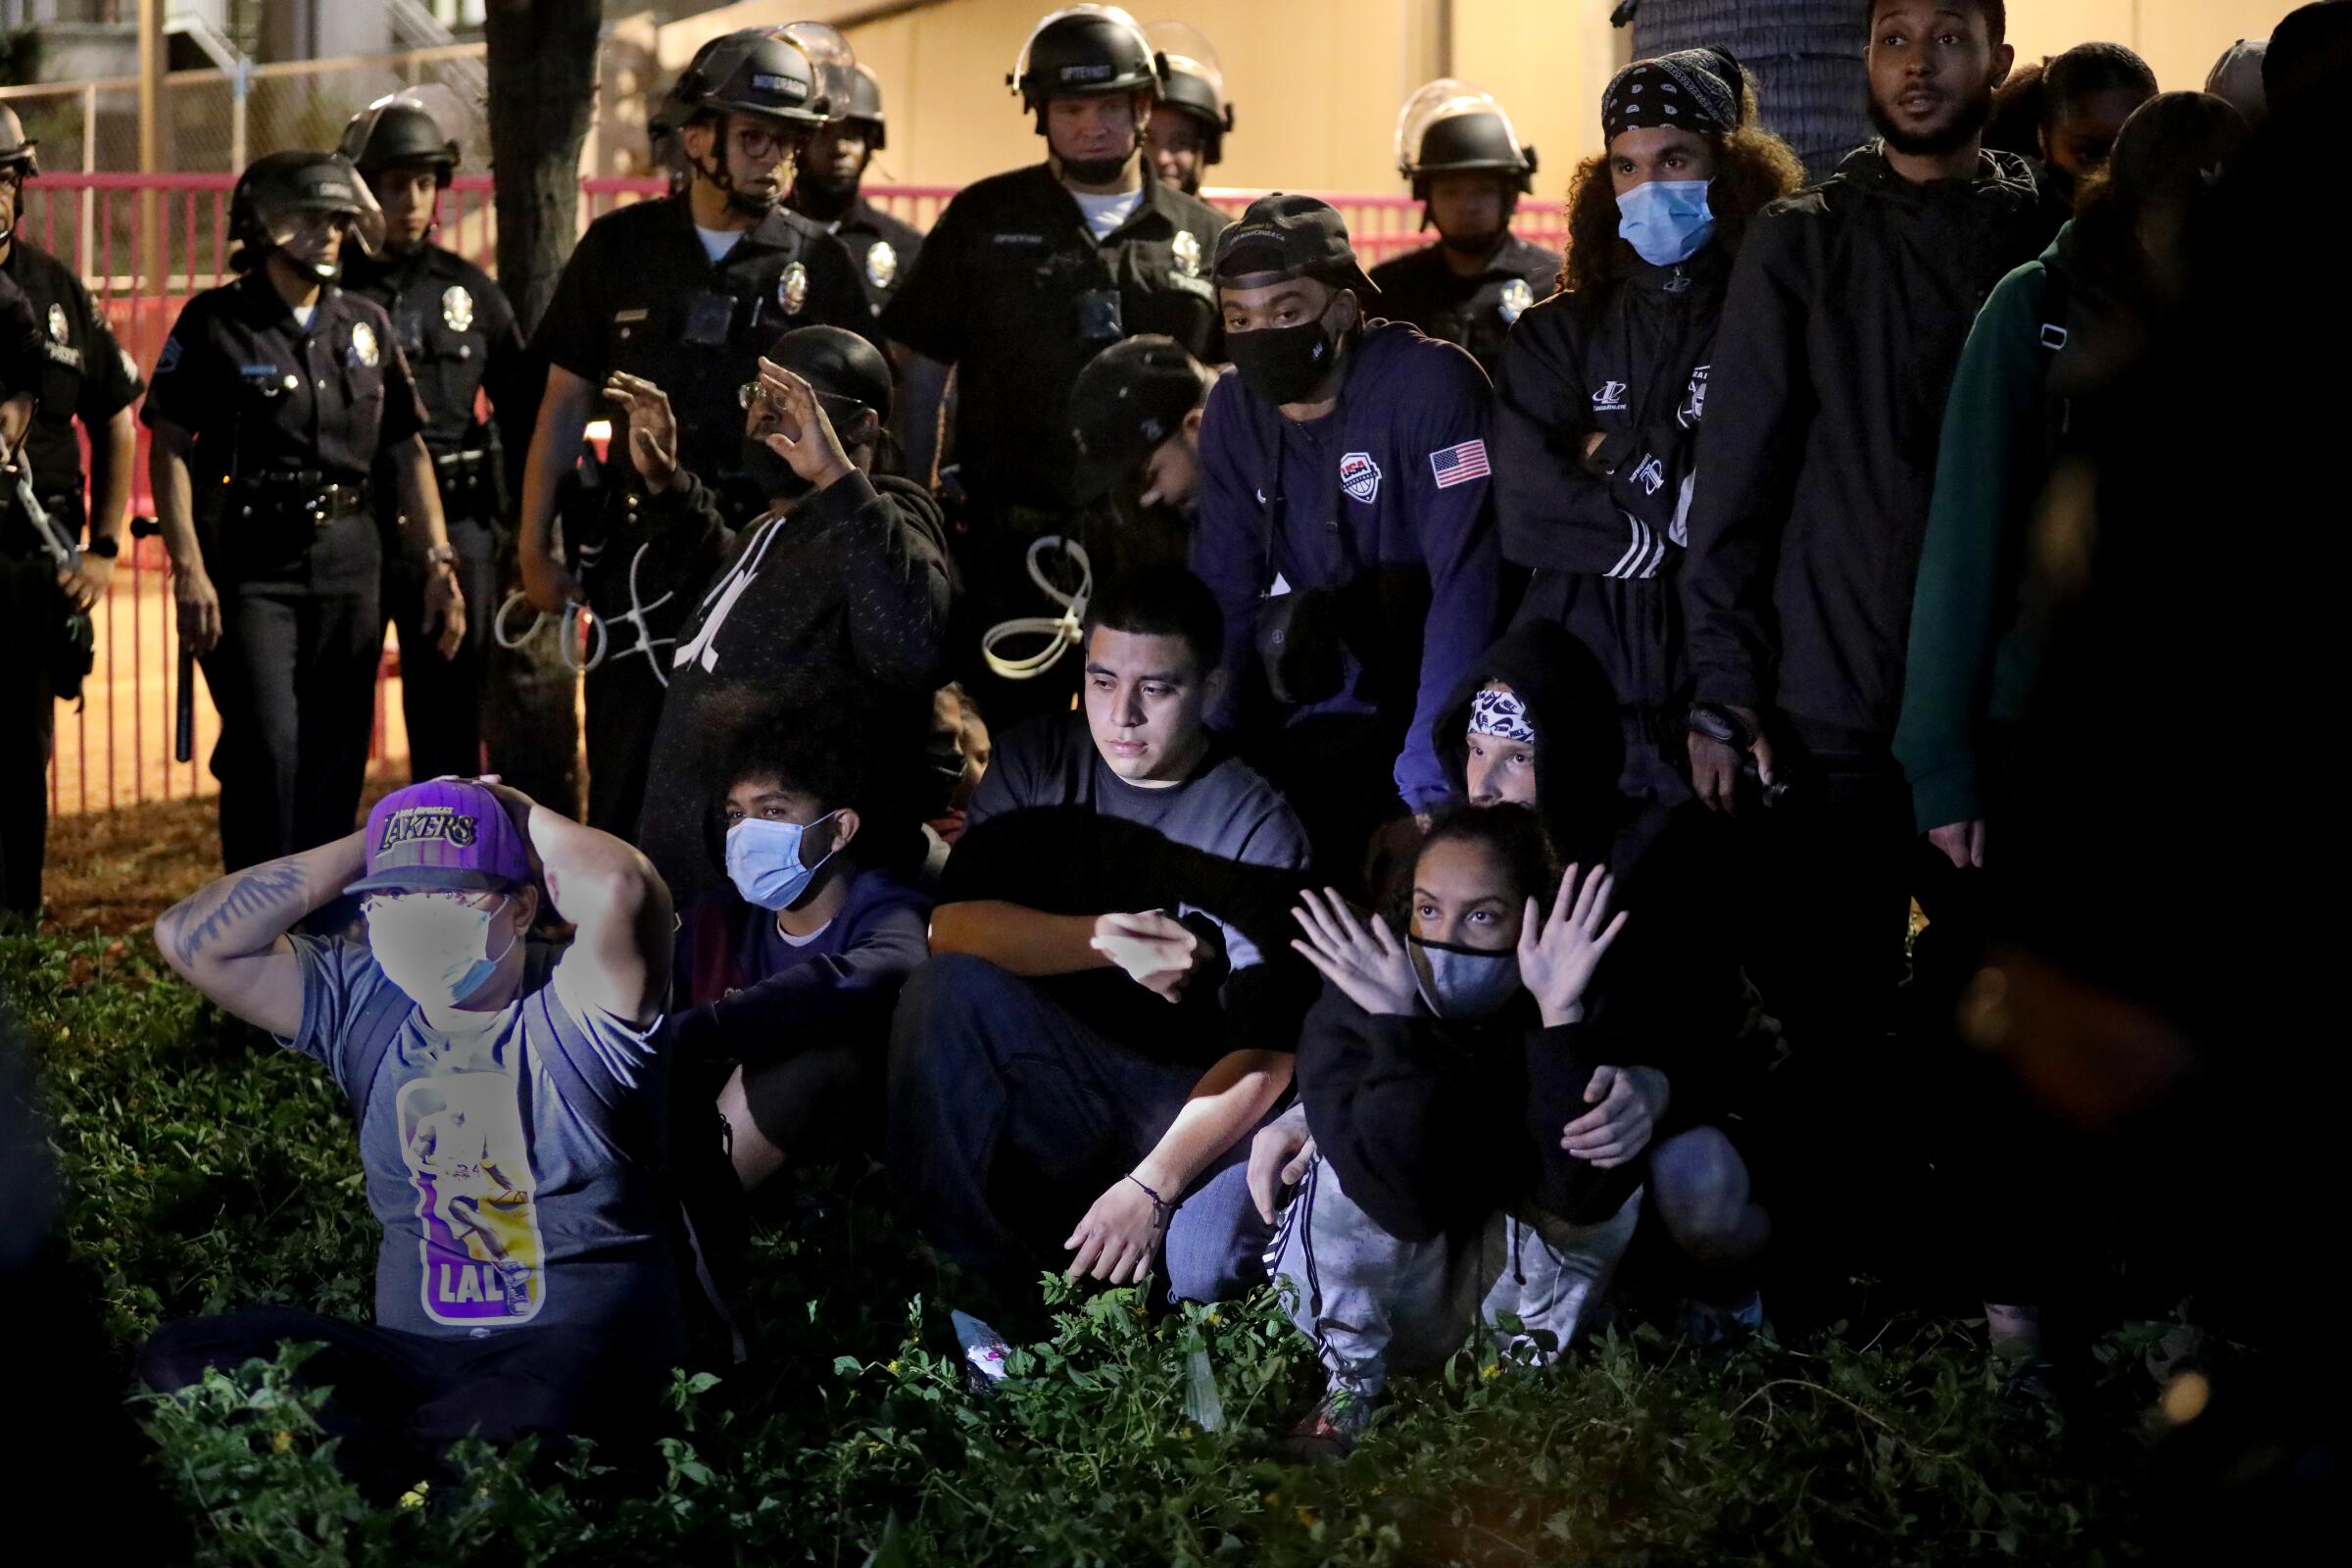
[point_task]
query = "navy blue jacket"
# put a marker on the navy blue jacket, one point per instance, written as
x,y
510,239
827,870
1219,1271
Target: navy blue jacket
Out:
x,y
1404,529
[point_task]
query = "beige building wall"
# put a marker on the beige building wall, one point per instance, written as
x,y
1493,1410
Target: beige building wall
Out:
x,y
1322,116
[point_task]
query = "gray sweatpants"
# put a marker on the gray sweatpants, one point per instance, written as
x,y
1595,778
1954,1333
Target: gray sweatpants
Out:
x,y
1374,1304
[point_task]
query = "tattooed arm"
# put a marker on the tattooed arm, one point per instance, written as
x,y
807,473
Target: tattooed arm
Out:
x,y
229,940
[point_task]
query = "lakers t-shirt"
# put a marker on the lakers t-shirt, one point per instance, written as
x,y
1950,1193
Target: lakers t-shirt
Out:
x,y
513,1164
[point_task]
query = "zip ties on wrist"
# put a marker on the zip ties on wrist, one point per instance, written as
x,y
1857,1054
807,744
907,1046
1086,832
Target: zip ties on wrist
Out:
x,y
1162,1208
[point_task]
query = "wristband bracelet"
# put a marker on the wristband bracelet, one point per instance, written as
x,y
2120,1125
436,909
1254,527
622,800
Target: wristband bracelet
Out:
x,y
1162,1208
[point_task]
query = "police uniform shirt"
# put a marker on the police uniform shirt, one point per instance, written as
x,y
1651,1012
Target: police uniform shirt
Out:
x,y
882,247
259,391
460,337
84,374
640,294
1013,290
1475,312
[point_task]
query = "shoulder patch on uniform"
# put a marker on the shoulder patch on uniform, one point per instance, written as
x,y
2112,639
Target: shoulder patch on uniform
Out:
x,y
60,329
1459,465
169,361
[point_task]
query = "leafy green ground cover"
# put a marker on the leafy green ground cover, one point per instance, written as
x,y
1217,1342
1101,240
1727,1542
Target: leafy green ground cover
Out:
x,y
204,1169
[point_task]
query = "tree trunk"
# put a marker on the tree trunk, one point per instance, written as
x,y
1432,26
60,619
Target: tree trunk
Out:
x,y
1806,56
542,68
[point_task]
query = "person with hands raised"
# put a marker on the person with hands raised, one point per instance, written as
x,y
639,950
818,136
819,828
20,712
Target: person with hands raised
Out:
x,y
1440,1077
837,592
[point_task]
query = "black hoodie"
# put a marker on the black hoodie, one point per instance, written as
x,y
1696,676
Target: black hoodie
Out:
x,y
846,600
1667,994
1846,313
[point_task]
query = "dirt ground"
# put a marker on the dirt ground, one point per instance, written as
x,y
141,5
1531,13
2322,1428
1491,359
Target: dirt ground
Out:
x,y
115,872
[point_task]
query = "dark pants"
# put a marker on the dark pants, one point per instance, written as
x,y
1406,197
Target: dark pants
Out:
x,y
30,606
441,699
401,1399
1634,630
1009,1116
293,677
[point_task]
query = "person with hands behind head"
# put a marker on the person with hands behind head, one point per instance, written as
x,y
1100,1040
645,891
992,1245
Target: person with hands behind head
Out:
x,y
840,588
507,1092
1474,1155
1109,1009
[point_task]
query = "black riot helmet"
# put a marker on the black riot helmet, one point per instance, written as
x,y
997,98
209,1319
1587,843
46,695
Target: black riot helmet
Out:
x,y
748,72
1192,79
18,150
1451,127
399,129
866,107
281,192
1081,51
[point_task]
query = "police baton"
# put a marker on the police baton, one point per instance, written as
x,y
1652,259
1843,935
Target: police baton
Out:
x,y
183,726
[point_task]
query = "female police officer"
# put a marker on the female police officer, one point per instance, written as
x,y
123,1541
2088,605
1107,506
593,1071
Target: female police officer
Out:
x,y
270,400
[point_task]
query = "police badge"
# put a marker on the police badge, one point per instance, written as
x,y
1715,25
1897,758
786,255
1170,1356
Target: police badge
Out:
x,y
792,288
59,327
1188,253
1516,297
456,308
364,347
882,264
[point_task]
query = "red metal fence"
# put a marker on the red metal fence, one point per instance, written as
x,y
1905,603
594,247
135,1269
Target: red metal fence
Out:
x,y
144,244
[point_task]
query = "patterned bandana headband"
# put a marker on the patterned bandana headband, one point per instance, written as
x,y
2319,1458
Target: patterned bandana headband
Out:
x,y
1697,90
1496,710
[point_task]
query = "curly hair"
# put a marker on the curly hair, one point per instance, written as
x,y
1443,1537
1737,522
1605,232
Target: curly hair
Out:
x,y
1752,166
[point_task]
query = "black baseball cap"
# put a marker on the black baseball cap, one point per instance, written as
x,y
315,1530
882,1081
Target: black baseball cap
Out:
x,y
1129,399
1295,237
837,363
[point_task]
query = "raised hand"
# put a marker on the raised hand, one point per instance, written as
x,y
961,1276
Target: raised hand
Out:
x,y
1364,961
1558,955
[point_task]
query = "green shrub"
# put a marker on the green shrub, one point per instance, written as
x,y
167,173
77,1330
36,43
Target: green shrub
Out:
x,y
205,1168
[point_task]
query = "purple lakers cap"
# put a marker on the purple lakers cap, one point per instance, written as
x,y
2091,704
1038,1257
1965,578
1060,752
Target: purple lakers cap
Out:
x,y
442,834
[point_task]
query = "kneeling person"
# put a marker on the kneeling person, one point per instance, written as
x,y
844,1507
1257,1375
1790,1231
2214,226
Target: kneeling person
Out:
x,y
791,972
1447,1078
502,1085
1111,1008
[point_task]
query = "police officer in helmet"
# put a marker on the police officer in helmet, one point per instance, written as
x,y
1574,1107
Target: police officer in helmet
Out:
x,y
826,190
456,330
1468,169
683,292
1189,123
1025,277
272,403
49,577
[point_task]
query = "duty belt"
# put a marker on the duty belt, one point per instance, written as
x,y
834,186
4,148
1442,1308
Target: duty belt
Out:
x,y
279,493
466,476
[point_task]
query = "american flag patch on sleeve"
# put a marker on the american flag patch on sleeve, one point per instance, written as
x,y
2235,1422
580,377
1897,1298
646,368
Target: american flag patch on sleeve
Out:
x,y
1459,465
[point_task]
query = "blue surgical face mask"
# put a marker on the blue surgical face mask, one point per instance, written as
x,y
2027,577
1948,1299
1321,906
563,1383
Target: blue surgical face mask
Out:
x,y
1467,985
763,861
1666,221
435,949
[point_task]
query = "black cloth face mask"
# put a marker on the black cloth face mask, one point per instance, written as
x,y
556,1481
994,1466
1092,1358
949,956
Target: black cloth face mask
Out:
x,y
1284,364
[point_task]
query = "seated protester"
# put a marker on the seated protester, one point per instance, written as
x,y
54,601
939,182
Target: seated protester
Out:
x,y
1135,414
1344,526
1467,1161
787,977
1533,724
1601,387
509,1094
1111,1009
841,586
957,756
2087,95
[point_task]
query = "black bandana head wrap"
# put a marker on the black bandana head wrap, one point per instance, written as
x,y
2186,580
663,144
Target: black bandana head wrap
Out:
x,y
1696,89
